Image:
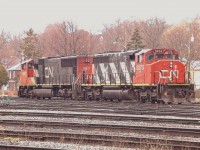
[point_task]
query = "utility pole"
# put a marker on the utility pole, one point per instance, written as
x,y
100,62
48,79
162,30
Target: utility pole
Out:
x,y
191,40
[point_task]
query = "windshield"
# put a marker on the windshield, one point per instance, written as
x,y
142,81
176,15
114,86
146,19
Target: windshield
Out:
x,y
159,56
168,56
150,57
175,57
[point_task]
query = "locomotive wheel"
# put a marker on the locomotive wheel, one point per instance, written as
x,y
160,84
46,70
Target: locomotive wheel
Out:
x,y
119,100
86,97
153,101
142,99
162,102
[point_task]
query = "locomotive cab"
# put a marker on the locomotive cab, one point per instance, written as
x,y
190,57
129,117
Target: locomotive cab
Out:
x,y
27,78
163,69
158,66
27,73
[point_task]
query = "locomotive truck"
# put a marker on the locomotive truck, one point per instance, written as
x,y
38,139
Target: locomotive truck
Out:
x,y
155,75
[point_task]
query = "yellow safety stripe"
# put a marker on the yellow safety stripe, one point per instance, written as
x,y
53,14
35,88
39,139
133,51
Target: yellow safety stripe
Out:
x,y
179,84
106,84
117,84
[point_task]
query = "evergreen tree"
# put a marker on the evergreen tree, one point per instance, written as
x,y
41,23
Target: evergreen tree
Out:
x,y
30,45
3,76
135,41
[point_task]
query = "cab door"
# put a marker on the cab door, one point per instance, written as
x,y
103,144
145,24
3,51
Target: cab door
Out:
x,y
139,69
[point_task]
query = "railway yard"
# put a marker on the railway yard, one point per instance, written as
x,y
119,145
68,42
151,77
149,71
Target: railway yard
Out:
x,y
68,124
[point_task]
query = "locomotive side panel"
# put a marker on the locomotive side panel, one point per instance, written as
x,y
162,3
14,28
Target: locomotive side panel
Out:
x,y
68,70
84,69
40,78
113,69
116,68
52,70
100,69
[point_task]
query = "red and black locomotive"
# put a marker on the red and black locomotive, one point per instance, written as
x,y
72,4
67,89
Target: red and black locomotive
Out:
x,y
144,75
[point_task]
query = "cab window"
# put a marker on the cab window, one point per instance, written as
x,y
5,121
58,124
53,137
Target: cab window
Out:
x,y
159,56
175,57
169,56
139,57
23,66
149,57
30,65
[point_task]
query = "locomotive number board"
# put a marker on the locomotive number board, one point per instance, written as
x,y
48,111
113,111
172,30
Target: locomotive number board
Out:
x,y
158,51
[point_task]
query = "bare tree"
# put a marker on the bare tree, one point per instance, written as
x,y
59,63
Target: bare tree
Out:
x,y
7,52
4,39
65,39
119,32
185,38
151,31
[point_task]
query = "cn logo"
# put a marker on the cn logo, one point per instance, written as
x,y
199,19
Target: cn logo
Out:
x,y
164,74
48,72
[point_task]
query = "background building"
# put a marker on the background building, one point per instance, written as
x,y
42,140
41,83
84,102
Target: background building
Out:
x,y
195,73
13,73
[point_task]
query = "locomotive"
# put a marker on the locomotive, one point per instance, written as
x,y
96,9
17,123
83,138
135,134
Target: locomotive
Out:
x,y
155,75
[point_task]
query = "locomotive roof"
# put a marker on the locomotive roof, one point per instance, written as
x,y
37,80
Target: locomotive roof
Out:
x,y
63,57
142,51
130,52
73,56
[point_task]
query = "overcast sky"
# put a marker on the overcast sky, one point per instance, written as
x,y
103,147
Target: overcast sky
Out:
x,y
17,16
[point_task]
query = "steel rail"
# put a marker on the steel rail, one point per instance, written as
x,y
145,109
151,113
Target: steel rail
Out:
x,y
20,147
111,140
105,117
143,111
58,124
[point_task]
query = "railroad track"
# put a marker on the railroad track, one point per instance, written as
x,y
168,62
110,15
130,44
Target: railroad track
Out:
x,y
18,147
126,102
106,111
100,103
105,139
100,139
193,132
99,116
137,108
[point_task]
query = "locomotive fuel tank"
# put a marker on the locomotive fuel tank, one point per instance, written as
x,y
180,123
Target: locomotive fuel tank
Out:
x,y
42,93
112,93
